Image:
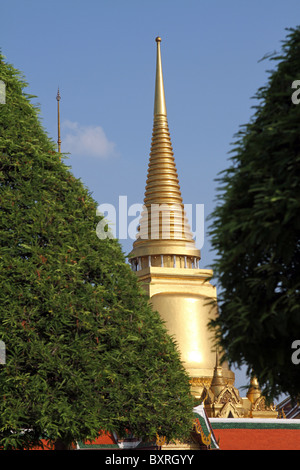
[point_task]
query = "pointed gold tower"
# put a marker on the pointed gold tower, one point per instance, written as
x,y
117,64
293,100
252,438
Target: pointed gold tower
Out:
x,y
164,228
218,383
166,259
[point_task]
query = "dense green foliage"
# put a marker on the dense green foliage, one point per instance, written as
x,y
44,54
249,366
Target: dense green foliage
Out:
x,y
255,232
85,352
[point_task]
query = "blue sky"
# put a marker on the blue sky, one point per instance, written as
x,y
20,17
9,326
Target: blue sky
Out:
x,y
102,56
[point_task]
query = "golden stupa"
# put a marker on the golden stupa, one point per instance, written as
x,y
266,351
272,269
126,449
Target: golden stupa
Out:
x,y
166,261
165,256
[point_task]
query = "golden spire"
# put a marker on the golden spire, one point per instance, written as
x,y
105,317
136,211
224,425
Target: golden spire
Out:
x,y
58,121
218,382
159,100
163,227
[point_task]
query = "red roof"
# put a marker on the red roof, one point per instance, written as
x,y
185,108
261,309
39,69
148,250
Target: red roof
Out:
x,y
257,434
104,439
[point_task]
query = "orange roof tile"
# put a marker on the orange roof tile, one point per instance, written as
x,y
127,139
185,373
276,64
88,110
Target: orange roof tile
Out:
x,y
257,434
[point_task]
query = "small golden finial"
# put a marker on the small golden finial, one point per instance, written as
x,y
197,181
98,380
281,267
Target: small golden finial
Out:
x,y
254,391
58,121
158,39
218,382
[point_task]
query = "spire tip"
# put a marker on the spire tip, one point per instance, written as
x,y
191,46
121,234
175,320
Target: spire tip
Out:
x,y
58,95
159,100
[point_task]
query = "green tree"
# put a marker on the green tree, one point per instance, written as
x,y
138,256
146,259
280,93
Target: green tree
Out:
x,y
255,233
84,350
